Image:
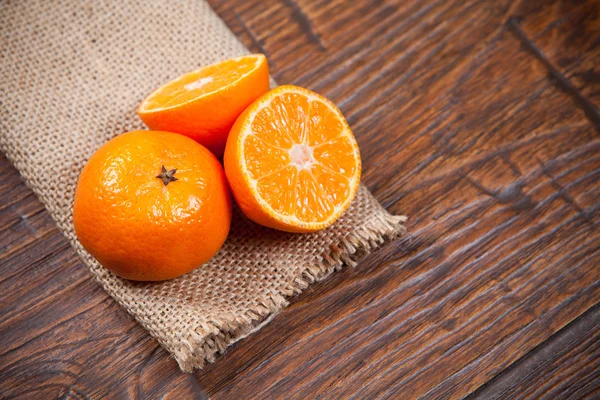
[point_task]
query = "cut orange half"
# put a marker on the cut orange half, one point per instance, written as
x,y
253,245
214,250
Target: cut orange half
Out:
x,y
292,161
204,104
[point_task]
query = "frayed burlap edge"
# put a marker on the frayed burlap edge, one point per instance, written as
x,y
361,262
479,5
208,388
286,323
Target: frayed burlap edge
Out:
x,y
212,339
51,123
346,252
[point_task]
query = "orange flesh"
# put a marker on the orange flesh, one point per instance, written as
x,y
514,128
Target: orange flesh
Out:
x,y
198,83
301,157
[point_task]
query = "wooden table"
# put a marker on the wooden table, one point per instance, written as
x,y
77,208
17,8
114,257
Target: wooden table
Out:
x,y
480,121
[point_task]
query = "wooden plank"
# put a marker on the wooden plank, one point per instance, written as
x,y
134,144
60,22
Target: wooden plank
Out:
x,y
569,36
564,366
463,127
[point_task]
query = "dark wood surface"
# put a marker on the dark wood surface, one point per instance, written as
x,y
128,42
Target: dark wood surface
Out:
x,y
479,120
565,366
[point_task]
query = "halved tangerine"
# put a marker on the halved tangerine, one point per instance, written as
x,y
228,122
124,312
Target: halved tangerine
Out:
x,y
205,103
292,161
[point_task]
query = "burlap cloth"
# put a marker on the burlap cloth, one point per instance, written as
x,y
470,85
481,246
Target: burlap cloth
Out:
x,y
72,75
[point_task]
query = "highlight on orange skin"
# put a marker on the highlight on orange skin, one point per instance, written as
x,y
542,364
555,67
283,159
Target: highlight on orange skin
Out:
x,y
152,205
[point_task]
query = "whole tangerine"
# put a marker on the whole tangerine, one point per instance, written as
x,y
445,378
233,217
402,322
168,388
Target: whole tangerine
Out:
x,y
152,205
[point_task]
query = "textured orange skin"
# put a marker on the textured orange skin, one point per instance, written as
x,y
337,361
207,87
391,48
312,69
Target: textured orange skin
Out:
x,y
208,119
141,229
239,182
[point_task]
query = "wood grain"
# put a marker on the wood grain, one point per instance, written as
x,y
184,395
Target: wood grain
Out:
x,y
479,121
565,366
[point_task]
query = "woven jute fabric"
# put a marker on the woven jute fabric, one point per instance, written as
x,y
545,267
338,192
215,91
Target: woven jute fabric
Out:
x,y
73,73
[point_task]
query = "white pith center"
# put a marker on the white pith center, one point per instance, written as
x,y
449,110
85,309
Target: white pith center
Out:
x,y
302,156
197,84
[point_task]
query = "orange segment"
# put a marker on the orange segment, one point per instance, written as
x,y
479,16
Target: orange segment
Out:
x,y
263,158
278,190
333,186
292,161
311,205
337,155
323,124
205,103
291,112
267,126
